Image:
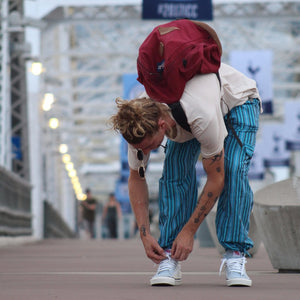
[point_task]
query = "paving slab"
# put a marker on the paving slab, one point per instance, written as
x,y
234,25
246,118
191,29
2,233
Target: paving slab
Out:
x,y
111,269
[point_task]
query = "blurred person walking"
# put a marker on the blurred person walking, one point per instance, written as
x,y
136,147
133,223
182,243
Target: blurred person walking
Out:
x,y
88,213
112,213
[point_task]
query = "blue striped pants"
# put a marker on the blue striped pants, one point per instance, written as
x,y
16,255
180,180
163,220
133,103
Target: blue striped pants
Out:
x,y
178,188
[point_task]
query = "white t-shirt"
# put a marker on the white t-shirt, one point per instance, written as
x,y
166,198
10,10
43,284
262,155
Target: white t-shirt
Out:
x,y
205,105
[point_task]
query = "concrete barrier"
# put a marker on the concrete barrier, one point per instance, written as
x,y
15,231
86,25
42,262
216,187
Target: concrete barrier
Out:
x,y
7,241
277,215
253,232
15,205
54,225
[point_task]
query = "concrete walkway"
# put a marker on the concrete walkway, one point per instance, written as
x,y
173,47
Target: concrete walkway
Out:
x,y
107,269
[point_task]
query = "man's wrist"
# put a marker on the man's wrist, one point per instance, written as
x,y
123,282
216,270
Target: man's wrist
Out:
x,y
143,231
190,229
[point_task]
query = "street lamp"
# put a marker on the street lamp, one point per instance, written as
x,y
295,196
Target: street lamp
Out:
x,y
48,100
69,166
36,68
53,123
63,148
66,158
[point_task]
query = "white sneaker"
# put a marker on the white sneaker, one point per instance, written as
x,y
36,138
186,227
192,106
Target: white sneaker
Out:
x,y
168,272
235,269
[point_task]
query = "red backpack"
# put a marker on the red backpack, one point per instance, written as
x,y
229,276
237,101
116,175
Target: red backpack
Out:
x,y
175,52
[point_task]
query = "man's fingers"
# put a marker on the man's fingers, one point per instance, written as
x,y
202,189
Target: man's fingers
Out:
x,y
179,254
156,257
160,251
156,254
173,250
180,257
176,253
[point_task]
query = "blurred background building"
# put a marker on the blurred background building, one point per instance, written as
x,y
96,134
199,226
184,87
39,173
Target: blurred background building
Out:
x,y
63,65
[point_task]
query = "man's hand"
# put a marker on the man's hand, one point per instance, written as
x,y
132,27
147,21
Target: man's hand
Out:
x,y
152,249
138,194
182,246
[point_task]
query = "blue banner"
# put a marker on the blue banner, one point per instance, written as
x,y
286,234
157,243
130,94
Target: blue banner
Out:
x,y
16,147
256,168
131,87
257,64
292,124
177,9
273,138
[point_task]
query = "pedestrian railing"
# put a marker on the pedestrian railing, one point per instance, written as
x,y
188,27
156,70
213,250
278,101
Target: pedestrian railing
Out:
x,y
54,225
15,205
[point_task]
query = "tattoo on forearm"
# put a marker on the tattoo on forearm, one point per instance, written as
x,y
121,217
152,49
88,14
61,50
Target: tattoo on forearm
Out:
x,y
203,208
198,201
197,220
143,230
216,158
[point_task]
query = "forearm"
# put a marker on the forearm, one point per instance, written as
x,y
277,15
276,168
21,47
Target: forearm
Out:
x,y
138,194
205,203
214,168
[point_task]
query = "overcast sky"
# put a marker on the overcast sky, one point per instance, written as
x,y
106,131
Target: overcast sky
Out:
x,y
39,8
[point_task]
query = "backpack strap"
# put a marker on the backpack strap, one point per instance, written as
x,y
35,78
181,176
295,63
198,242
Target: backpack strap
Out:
x,y
230,126
179,115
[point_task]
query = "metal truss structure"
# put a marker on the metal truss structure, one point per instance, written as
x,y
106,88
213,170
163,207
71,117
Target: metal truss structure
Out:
x,y
3,81
13,92
268,9
89,48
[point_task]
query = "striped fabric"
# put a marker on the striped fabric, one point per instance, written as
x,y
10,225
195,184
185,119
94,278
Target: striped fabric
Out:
x,y
178,186
177,189
236,201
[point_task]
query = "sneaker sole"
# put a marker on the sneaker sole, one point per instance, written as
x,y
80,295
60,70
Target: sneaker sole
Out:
x,y
239,282
165,281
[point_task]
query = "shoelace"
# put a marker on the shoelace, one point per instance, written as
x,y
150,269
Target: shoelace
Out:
x,y
234,264
166,264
